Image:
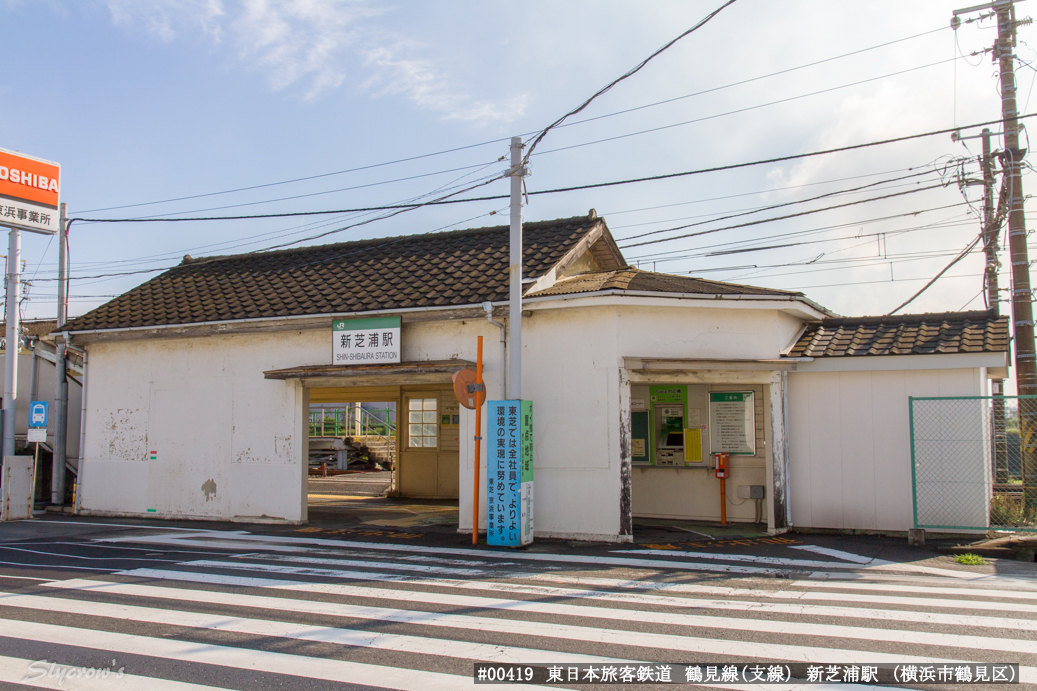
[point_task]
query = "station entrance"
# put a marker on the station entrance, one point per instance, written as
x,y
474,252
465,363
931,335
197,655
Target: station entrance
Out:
x,y
383,457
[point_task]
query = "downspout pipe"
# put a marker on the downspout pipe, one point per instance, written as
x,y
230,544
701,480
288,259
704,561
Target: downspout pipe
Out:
x,y
82,429
488,308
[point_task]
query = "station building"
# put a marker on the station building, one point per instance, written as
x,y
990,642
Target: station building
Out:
x,y
200,384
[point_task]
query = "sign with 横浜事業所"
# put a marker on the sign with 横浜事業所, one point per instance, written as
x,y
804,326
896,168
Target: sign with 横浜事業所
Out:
x,y
29,192
365,341
509,466
732,422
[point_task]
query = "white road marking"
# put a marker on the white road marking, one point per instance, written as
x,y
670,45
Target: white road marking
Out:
x,y
835,553
774,561
939,618
73,556
288,544
786,594
465,621
379,676
303,632
391,565
925,589
58,566
15,670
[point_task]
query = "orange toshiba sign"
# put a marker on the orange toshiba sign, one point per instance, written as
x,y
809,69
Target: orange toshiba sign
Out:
x,y
29,192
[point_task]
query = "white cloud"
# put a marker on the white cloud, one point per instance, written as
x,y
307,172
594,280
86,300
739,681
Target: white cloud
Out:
x,y
314,45
162,17
419,81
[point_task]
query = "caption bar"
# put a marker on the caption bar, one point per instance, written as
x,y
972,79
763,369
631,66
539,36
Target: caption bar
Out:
x,y
655,673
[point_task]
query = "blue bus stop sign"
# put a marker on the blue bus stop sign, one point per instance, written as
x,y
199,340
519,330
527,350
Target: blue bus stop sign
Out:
x,y
38,412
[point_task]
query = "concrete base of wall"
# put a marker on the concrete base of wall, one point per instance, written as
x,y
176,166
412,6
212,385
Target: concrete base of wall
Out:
x,y
165,517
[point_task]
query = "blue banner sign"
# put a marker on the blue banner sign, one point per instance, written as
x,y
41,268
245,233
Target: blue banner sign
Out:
x,y
509,463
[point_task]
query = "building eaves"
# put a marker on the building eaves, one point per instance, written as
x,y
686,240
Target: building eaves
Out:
x,y
909,334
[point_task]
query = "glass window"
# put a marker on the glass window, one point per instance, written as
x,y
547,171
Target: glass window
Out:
x,y
422,423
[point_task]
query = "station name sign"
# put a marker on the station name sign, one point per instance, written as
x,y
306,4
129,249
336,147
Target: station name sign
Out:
x,y
29,192
365,341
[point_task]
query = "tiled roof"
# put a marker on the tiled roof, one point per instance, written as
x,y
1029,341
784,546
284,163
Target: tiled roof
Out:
x,y
648,281
909,334
461,267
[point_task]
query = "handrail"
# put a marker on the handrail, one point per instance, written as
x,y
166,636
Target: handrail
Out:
x,y
367,430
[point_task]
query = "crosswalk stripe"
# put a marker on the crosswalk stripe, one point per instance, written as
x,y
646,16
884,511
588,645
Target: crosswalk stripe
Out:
x,y
40,674
392,566
380,676
303,632
773,561
934,590
836,553
896,615
491,625
785,594
237,540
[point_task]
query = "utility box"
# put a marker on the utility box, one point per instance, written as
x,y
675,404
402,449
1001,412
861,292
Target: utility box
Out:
x,y
750,491
16,491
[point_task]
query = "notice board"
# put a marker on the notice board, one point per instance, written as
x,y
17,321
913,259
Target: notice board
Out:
x,y
732,422
509,470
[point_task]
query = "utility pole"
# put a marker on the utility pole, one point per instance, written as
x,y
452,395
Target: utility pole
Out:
x,y
1022,298
57,484
517,172
14,333
991,232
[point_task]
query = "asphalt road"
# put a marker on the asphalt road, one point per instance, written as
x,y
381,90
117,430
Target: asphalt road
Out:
x,y
162,607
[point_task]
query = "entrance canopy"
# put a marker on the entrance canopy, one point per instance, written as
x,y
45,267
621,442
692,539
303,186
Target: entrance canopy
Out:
x,y
423,372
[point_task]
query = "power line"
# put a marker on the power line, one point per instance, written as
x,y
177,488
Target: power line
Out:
x,y
628,74
775,218
888,280
754,79
599,185
971,246
743,110
506,139
683,252
784,204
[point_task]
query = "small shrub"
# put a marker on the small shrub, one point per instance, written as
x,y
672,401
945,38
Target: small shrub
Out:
x,y
970,559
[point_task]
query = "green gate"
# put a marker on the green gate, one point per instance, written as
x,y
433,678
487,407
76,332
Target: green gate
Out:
x,y
969,463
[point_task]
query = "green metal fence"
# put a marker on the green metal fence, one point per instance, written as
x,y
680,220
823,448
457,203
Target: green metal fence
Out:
x,y
971,467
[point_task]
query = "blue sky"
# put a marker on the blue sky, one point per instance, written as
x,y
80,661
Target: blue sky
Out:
x,y
148,100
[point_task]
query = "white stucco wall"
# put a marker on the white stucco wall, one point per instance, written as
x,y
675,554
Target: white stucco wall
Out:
x,y
229,443
573,371
850,448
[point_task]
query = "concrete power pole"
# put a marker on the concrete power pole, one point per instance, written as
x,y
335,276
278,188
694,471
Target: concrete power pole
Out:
x,y
14,334
57,484
517,172
1022,298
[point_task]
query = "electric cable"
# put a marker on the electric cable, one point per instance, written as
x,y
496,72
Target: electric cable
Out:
x,y
971,246
506,139
628,74
784,204
771,220
599,185
742,110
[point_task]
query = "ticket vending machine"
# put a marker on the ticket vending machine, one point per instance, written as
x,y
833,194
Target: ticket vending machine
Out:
x,y
669,434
